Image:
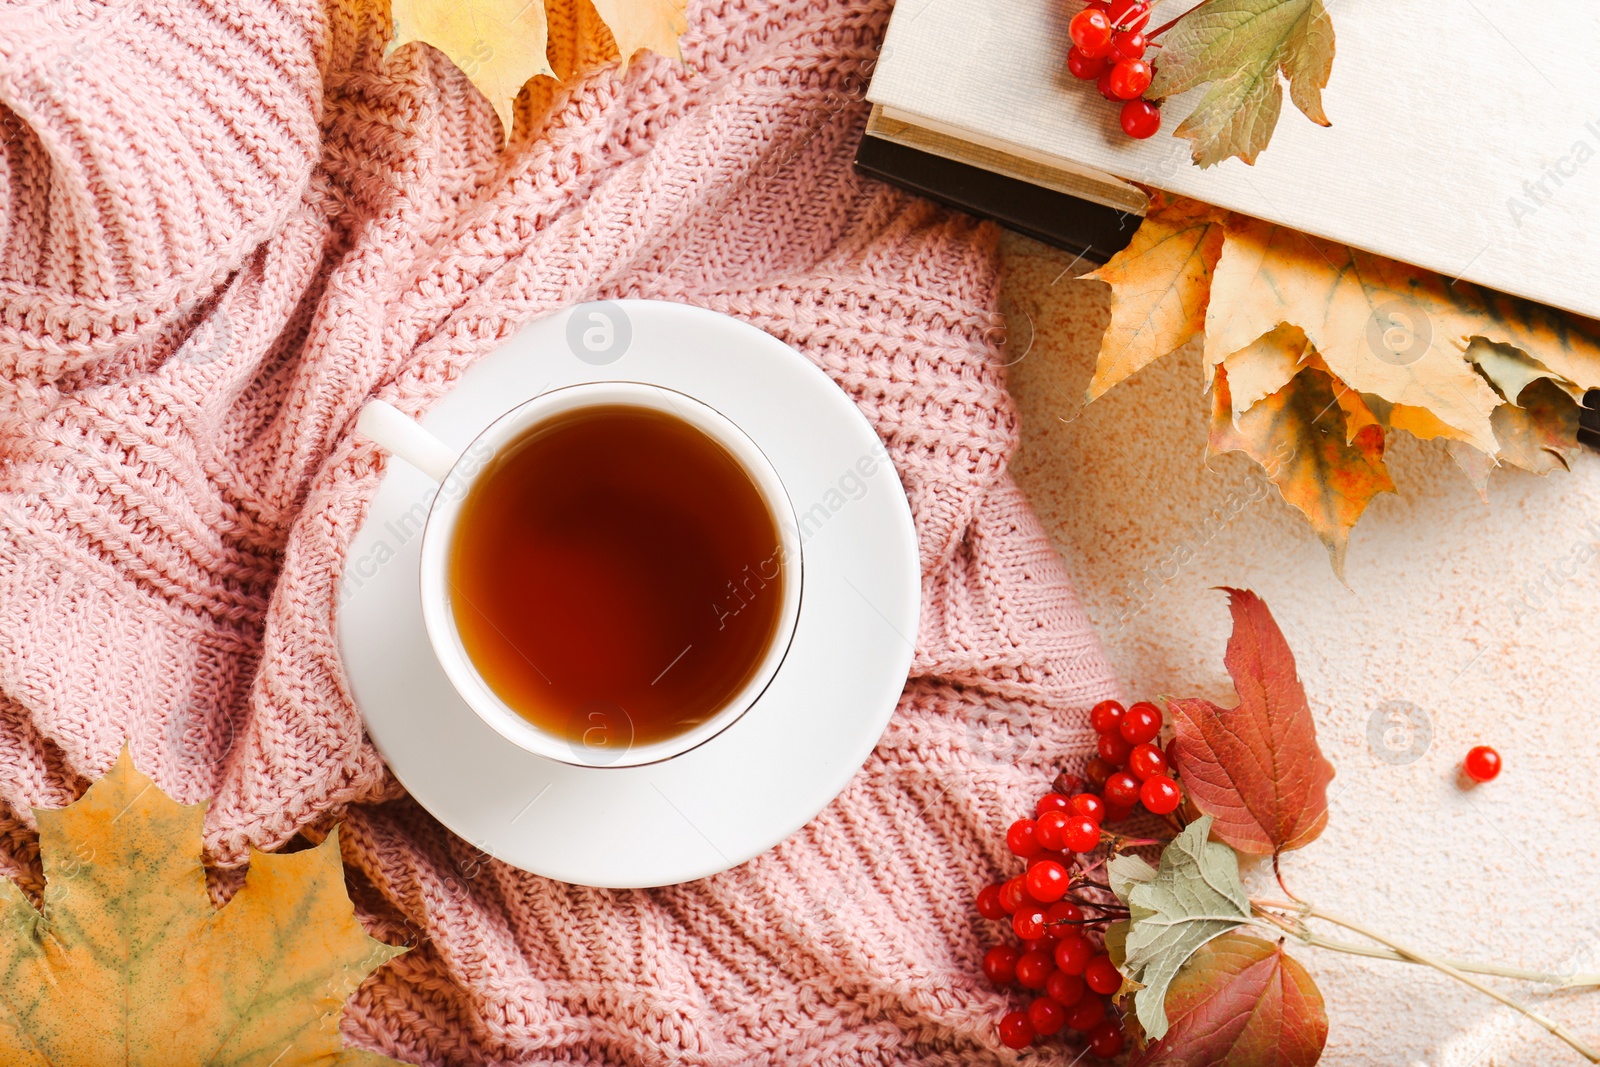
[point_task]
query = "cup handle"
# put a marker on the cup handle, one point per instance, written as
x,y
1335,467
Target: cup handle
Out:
x,y
400,435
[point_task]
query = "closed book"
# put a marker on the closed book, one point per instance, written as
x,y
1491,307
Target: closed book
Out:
x,y
1465,138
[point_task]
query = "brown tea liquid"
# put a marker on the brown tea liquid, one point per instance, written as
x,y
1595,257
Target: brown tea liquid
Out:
x,y
616,570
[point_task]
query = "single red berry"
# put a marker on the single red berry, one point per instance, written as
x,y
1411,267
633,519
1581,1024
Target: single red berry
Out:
x,y
1046,1016
1129,14
1090,30
1087,68
1068,785
1047,882
1073,953
1051,802
1000,964
1028,921
1105,1040
1129,44
1086,1014
1141,119
1115,813
1033,969
1113,749
1013,894
1045,944
1065,989
1106,716
1015,1030
1142,721
1102,975
1129,78
1081,833
1047,831
1482,763
1090,805
1022,838
989,905
1160,795
1146,760
1097,771
1062,918
1099,5
1103,83
1122,788
1172,746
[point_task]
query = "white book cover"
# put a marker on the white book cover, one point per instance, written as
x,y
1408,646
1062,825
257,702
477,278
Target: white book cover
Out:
x,y
1465,136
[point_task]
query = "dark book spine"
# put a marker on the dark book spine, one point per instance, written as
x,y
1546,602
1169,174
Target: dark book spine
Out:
x,y
1082,227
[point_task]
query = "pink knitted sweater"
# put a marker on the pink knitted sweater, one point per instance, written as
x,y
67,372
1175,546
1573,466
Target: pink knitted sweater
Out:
x,y
222,227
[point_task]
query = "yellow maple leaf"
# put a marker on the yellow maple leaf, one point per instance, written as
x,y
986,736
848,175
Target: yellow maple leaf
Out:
x,y
498,44
1298,436
127,962
1266,365
1396,348
1511,370
1159,285
1382,327
501,45
655,25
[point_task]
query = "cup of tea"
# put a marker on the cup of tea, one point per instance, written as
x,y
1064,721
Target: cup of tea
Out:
x,y
611,572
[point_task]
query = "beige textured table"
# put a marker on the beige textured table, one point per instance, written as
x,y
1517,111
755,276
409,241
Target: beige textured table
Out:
x,y
1476,623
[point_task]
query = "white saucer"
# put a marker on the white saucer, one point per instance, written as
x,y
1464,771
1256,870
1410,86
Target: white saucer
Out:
x,y
779,764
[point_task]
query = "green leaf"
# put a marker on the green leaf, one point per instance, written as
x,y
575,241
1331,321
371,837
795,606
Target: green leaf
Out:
x,y
1241,47
1117,943
1195,896
1125,872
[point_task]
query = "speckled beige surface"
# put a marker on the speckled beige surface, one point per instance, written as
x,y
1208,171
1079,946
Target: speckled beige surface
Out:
x,y
1480,622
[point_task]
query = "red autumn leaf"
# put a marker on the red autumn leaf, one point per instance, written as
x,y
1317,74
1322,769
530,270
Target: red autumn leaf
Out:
x,y
1256,769
1240,1002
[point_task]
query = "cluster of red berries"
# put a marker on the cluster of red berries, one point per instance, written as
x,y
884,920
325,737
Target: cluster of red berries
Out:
x,y
1108,47
1073,980
1045,907
1130,769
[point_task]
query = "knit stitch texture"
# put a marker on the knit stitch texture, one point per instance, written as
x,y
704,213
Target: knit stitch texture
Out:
x,y
223,227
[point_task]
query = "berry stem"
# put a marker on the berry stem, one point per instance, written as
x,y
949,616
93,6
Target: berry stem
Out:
x,y
1165,26
1449,967
1278,873
1119,842
1175,820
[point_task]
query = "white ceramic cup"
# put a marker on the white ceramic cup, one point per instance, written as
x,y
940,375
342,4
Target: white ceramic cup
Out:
x,y
609,741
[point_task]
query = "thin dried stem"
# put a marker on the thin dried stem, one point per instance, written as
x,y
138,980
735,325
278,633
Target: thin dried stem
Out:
x,y
1119,842
1444,967
1303,934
